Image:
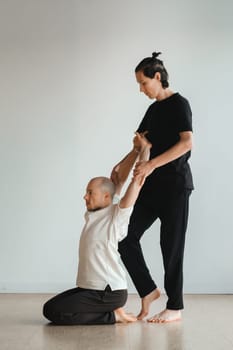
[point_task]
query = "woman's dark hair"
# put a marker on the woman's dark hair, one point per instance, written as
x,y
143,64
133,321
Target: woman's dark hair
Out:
x,y
151,65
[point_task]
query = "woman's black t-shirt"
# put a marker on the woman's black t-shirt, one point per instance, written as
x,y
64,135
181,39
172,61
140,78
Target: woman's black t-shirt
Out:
x,y
164,120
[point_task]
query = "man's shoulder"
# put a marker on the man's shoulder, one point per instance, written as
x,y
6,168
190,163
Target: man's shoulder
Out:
x,y
122,212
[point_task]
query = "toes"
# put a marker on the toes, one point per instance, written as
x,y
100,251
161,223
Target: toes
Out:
x,y
153,320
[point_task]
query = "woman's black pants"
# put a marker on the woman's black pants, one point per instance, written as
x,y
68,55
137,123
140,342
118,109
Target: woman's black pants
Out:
x,y
79,306
171,207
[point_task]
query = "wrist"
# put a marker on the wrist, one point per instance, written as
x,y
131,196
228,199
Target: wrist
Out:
x,y
152,164
136,149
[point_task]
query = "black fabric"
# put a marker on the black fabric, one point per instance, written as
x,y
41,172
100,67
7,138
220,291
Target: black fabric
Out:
x,y
164,120
165,196
79,306
172,210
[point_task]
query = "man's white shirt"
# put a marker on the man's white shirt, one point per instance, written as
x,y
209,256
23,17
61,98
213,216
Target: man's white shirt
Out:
x,y
99,264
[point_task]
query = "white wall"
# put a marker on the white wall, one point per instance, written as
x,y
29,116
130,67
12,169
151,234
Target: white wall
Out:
x,y
69,107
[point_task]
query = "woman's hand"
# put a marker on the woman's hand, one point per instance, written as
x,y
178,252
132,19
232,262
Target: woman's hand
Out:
x,y
143,169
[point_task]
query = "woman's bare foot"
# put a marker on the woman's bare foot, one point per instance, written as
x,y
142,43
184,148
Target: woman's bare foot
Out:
x,y
166,316
146,301
122,317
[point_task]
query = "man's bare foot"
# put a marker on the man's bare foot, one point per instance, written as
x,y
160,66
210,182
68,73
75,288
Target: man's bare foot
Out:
x,y
166,316
122,317
146,301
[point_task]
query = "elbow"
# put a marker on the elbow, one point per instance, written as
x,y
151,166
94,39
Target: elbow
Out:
x,y
186,145
187,142
189,145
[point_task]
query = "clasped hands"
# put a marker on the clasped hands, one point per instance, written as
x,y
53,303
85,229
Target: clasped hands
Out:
x,y
143,167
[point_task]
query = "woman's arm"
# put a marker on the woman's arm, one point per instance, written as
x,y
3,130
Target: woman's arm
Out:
x,y
180,148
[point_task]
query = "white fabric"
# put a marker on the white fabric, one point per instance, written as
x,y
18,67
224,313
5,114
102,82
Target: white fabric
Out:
x,y
99,264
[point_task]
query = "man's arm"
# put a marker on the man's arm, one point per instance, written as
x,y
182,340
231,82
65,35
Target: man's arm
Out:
x,y
121,171
140,151
132,192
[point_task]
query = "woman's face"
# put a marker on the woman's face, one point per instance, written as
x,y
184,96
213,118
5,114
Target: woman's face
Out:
x,y
151,87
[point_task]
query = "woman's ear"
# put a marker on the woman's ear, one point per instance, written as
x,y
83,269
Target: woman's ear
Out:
x,y
157,76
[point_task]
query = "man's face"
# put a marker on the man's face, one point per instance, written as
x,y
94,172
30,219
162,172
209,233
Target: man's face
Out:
x,y
95,197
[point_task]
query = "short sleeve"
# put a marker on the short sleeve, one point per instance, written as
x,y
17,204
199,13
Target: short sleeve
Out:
x,y
143,126
116,199
121,221
184,116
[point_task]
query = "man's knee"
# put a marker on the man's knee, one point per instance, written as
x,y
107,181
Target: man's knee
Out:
x,y
47,310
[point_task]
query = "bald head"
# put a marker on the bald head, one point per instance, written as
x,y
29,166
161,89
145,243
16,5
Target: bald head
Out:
x,y
105,184
99,193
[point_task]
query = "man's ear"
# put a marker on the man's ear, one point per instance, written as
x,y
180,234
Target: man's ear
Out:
x,y
107,195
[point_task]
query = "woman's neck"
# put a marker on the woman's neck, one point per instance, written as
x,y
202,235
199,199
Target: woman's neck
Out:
x,y
164,93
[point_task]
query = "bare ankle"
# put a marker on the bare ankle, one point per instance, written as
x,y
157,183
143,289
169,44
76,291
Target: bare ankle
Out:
x,y
122,317
155,294
146,301
165,316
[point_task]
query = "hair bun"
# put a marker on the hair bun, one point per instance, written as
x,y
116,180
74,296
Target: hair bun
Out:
x,y
155,54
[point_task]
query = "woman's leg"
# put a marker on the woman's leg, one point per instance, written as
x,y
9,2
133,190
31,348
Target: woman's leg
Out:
x,y
174,219
143,216
131,251
173,228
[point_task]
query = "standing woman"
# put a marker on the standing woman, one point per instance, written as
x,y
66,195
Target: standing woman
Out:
x,y
165,194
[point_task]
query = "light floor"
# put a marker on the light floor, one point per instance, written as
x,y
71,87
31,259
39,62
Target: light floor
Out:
x,y
207,325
